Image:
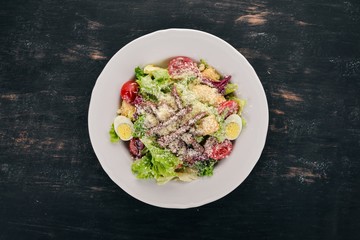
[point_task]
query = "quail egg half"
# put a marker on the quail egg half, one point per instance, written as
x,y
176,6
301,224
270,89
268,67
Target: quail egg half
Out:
x,y
233,126
124,128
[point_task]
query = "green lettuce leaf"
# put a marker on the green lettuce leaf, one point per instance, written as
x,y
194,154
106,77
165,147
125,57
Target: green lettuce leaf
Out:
x,y
155,88
143,167
139,73
113,136
149,87
161,75
158,163
158,74
230,88
155,84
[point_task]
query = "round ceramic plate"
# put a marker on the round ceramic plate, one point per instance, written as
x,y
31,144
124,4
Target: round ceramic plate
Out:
x,y
155,48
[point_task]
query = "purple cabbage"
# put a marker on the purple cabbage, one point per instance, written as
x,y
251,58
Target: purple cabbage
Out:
x,y
137,101
220,85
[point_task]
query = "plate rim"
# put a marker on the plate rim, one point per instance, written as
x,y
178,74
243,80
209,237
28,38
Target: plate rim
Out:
x,y
204,201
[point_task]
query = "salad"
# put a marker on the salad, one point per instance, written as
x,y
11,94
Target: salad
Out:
x,y
180,121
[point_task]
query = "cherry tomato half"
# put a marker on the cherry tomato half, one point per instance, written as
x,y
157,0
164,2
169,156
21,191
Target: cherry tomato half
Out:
x,y
182,67
229,107
129,91
221,150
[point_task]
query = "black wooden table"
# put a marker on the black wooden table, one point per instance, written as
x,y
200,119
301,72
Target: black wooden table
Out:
x,y
304,186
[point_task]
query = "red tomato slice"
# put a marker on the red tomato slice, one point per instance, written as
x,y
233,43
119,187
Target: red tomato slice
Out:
x,y
183,67
221,150
229,107
129,91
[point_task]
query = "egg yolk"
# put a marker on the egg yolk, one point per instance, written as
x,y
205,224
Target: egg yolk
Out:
x,y
124,131
232,130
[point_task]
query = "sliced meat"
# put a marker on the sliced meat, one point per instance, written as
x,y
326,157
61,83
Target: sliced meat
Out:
x,y
190,140
177,146
165,140
192,156
178,116
177,98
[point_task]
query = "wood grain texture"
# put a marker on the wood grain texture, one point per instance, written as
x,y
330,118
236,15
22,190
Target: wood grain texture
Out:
x,y
306,183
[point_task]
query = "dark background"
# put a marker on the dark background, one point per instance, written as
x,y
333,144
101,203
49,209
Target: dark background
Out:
x,y
304,186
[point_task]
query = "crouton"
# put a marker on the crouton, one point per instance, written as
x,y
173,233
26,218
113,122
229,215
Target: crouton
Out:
x,y
207,94
210,73
127,110
150,121
208,125
164,112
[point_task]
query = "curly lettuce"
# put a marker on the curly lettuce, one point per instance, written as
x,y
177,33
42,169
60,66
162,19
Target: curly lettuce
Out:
x,y
113,136
154,82
157,163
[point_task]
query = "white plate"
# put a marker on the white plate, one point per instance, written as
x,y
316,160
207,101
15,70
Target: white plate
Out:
x,y
155,48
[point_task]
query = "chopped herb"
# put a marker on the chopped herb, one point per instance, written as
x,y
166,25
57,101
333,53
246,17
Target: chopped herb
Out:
x,y
205,168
